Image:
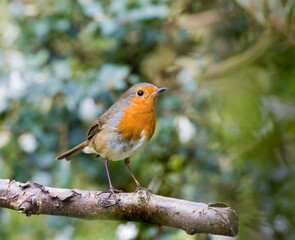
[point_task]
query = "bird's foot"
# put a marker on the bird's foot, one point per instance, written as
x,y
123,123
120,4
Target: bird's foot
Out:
x,y
111,199
139,188
116,191
143,194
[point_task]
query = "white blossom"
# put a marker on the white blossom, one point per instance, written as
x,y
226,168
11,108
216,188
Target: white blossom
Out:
x,y
88,110
28,142
185,129
126,231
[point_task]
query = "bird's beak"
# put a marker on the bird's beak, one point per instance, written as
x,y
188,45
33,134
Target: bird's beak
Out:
x,y
159,90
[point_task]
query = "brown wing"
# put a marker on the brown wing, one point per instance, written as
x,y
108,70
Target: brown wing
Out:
x,y
94,129
98,124
122,103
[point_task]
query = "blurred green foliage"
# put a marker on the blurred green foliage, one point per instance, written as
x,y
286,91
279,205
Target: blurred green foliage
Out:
x,y
225,127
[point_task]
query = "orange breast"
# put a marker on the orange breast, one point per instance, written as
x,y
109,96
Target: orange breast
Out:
x,y
137,118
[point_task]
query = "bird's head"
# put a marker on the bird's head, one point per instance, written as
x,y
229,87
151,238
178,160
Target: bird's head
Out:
x,y
143,94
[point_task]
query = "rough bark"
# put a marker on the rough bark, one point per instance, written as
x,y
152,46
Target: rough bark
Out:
x,y
141,206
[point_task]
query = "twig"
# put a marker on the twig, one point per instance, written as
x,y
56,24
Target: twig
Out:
x,y
141,206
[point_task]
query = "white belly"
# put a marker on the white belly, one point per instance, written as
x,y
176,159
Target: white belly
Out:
x,y
119,150
115,149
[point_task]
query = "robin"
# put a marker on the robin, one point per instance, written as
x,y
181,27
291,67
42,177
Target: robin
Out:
x,y
123,130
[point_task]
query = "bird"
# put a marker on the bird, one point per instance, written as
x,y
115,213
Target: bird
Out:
x,y
123,130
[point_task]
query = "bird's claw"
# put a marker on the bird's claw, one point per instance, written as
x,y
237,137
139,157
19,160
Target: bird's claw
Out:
x,y
139,188
111,199
116,191
143,195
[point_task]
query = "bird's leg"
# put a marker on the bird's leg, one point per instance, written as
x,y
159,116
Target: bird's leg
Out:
x,y
111,199
127,161
106,163
112,190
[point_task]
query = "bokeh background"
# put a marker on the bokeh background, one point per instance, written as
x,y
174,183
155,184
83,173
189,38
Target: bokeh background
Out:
x,y
225,126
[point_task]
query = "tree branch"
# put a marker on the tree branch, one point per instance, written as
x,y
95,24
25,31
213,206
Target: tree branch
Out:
x,y
141,206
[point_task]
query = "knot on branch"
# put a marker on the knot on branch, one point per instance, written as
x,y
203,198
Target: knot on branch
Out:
x,y
28,206
143,196
222,210
27,202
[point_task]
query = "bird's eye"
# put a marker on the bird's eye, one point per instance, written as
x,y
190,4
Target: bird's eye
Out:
x,y
140,93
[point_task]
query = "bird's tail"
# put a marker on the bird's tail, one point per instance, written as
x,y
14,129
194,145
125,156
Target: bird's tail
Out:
x,y
68,155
